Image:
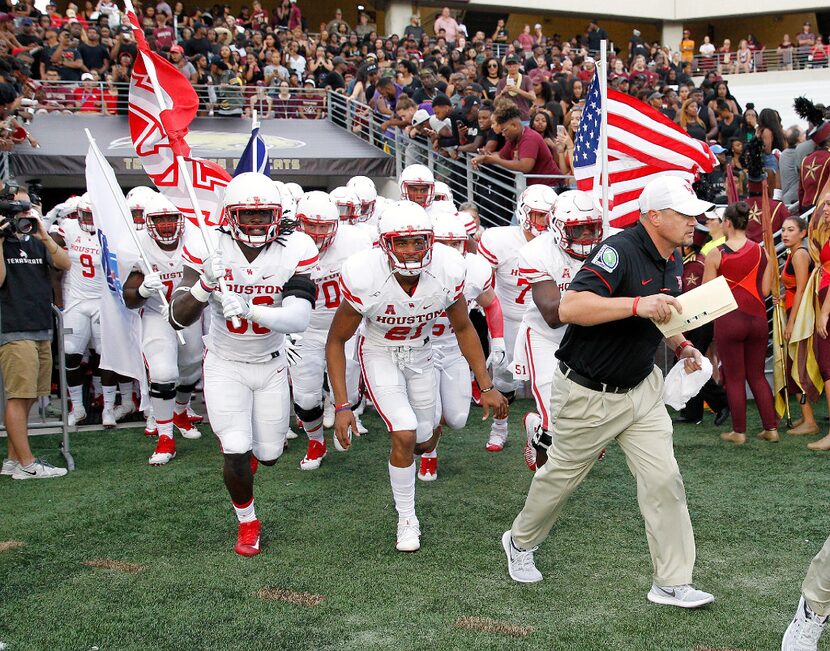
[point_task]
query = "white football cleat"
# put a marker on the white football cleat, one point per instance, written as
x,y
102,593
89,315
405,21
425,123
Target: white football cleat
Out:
x,y
360,428
182,422
291,434
328,413
314,456
150,427
520,563
682,596
76,416
409,535
124,409
498,437
9,466
532,422
38,469
805,630
165,451
108,418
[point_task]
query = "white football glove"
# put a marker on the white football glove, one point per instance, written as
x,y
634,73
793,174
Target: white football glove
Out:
x,y
293,344
234,305
213,269
498,355
151,284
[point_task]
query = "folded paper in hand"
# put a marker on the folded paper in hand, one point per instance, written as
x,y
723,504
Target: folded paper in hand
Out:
x,y
700,306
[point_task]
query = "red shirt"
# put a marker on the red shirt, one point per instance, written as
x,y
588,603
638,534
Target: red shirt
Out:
x,y
89,100
743,270
531,145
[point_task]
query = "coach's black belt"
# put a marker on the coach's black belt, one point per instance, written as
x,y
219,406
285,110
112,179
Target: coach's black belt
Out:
x,y
588,383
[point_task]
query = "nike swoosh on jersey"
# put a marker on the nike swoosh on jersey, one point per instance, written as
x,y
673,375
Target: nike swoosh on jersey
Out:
x,y
646,282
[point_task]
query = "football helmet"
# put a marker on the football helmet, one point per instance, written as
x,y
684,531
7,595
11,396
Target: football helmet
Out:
x,y
535,209
85,220
443,192
136,200
165,222
405,235
252,207
365,190
348,204
448,229
295,190
69,208
577,223
318,218
417,184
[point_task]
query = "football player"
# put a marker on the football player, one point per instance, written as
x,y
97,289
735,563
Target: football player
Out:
x,y
317,216
547,264
452,373
443,192
417,184
500,247
173,369
348,204
367,194
82,288
136,200
265,264
397,291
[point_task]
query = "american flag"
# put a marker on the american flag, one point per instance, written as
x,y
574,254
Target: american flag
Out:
x,y
642,143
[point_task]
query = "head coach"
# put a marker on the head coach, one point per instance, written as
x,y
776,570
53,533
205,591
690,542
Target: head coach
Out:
x,y
607,387
25,327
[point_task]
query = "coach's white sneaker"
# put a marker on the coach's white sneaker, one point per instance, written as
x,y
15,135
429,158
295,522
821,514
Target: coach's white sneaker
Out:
x,y
38,469
328,413
77,415
108,418
314,456
520,563
805,630
498,436
182,422
164,453
124,409
682,596
9,466
409,535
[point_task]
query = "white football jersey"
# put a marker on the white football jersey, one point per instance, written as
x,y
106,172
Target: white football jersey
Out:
x,y
477,280
261,281
391,317
169,263
326,276
500,247
85,279
541,260
469,223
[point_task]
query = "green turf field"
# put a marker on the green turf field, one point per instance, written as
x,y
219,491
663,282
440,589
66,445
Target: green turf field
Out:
x,y
759,512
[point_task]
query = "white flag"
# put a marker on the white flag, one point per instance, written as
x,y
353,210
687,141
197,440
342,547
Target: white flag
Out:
x,y
120,326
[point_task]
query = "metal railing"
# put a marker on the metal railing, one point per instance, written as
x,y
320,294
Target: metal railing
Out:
x,y
761,60
494,190
105,98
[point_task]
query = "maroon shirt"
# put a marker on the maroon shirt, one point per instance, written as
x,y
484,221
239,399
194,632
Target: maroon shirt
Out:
x,y
531,145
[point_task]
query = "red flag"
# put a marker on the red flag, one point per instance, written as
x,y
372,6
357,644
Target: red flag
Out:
x,y
158,134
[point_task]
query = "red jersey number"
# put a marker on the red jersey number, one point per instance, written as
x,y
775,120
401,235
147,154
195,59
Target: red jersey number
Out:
x,y
243,323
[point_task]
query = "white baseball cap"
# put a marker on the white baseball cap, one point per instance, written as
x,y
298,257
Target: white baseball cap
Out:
x,y
672,192
420,117
715,213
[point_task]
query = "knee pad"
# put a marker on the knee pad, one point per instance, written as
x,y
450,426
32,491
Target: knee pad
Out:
x,y
186,388
268,453
423,432
456,421
164,391
308,415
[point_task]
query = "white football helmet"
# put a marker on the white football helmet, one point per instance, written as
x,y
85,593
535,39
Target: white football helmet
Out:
x,y
449,229
165,222
295,190
577,223
318,218
252,208
348,204
136,200
365,190
417,184
443,192
69,208
405,235
535,209
85,220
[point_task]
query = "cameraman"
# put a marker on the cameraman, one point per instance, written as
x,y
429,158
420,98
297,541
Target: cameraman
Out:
x,y
25,327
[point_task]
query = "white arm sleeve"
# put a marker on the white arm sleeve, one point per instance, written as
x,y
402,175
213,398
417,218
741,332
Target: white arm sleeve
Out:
x,y
293,316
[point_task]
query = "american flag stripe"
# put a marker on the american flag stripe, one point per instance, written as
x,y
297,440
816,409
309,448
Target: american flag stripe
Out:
x,y
642,144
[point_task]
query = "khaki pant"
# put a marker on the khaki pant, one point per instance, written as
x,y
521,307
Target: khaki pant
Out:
x,y
586,421
816,586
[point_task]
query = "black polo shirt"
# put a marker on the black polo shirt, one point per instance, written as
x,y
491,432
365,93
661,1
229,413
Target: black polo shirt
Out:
x,y
621,353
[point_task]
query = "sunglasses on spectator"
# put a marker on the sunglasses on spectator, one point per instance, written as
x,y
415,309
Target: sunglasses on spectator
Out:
x,y
492,65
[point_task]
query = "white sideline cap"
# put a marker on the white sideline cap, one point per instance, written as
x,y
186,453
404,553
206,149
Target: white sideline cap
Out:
x,y
672,192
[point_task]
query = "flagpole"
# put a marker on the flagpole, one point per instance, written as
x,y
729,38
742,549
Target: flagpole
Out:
x,y
128,219
182,163
254,125
602,71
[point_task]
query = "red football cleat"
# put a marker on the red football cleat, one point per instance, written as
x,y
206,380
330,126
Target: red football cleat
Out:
x,y
428,470
194,417
314,456
185,426
247,538
165,451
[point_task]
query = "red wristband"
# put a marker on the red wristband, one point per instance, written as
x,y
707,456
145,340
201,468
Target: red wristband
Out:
x,y
342,407
634,307
681,346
